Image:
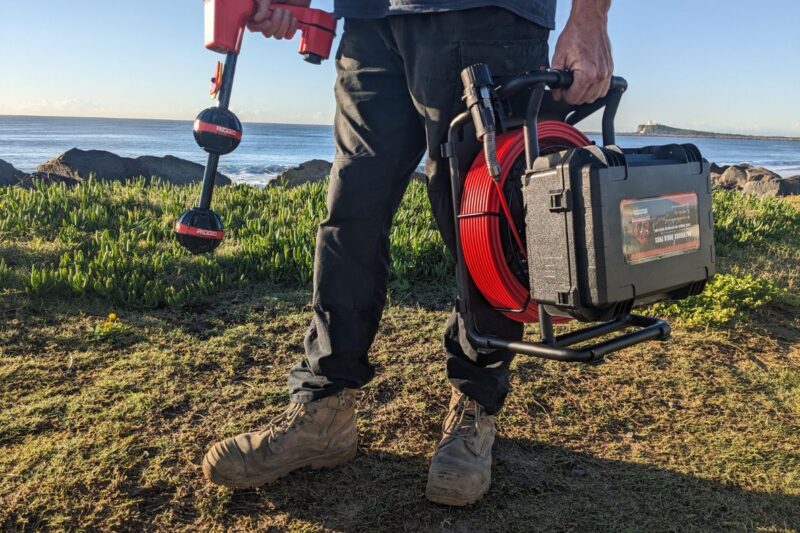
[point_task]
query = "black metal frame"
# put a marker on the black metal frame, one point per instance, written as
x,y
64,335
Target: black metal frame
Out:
x,y
551,346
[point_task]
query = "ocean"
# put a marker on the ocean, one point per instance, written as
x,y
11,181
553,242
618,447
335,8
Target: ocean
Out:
x,y
269,149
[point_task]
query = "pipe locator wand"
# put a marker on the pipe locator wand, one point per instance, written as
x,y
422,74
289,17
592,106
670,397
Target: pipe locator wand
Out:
x,y
217,129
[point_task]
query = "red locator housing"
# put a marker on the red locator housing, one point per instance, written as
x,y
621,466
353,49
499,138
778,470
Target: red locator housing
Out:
x,y
225,21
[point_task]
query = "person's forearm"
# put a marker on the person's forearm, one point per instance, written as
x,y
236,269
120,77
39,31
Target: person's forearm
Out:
x,y
594,10
585,49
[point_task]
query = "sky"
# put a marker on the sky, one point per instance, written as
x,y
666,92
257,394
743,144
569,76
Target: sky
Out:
x,y
720,65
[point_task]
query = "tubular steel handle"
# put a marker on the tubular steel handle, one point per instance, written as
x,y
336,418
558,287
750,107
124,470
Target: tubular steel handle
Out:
x,y
555,79
561,79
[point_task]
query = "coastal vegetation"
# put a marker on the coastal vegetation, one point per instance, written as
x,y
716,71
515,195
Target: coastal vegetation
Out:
x,y
122,357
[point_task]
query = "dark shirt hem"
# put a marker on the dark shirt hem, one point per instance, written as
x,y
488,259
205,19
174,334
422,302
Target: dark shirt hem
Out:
x,y
411,9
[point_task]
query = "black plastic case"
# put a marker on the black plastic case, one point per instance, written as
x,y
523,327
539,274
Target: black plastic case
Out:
x,y
611,229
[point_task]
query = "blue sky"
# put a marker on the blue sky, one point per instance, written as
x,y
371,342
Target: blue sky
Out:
x,y
724,65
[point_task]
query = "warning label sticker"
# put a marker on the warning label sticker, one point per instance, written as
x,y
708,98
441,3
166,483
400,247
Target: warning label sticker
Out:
x,y
659,227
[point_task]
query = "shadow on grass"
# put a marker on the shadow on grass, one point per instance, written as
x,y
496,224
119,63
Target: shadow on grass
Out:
x,y
535,487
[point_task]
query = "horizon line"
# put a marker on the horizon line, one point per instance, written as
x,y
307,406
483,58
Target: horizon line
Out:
x,y
588,132
19,115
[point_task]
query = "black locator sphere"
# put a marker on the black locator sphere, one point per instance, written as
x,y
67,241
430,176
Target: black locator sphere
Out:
x,y
200,230
217,131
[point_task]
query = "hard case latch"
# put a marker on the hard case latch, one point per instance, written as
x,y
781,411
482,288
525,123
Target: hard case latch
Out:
x,y
559,201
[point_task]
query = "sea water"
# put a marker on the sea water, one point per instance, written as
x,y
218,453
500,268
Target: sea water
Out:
x,y
269,149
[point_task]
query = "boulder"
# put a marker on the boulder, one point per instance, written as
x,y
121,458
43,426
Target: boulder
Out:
x,y
734,177
107,166
317,170
29,181
10,175
718,169
308,172
773,187
715,172
761,174
80,164
176,170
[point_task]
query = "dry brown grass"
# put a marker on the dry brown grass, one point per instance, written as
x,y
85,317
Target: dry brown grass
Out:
x,y
103,428
107,433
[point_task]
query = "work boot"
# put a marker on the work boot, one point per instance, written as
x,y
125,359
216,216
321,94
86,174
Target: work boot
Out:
x,y
461,468
319,434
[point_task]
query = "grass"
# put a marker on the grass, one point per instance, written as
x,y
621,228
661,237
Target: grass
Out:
x,y
104,420
115,241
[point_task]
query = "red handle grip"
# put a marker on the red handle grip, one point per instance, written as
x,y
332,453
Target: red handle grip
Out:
x,y
318,29
225,21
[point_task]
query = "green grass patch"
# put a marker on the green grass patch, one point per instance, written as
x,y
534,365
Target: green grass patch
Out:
x,y
104,417
728,298
743,220
114,241
117,243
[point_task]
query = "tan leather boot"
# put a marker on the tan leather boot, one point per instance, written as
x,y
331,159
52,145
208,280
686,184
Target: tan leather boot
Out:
x,y
318,434
461,468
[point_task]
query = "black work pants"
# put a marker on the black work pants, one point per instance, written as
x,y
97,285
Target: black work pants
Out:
x,y
397,90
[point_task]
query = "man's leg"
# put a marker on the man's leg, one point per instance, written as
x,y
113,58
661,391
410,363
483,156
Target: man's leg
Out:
x,y
380,140
435,49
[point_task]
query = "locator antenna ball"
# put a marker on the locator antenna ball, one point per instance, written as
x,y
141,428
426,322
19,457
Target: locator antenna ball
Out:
x,y
217,129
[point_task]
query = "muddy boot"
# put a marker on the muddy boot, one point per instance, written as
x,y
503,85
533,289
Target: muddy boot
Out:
x,y
318,434
461,468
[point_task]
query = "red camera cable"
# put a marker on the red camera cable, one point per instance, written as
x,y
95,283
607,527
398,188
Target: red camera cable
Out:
x,y
479,225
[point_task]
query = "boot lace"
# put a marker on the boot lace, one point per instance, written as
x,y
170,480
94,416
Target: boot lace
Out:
x,y
295,414
465,424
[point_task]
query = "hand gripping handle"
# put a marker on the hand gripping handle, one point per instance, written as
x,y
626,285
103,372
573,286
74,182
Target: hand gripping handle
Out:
x,y
225,21
317,27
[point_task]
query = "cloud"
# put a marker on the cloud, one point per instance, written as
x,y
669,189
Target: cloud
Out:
x,y
70,106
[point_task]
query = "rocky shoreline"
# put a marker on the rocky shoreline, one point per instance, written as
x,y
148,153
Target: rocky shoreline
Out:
x,y
754,180
74,166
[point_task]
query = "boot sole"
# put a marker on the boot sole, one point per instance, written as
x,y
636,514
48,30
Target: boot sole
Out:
x,y
316,463
446,497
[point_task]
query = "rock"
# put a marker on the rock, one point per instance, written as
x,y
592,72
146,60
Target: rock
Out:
x,y
317,170
715,172
10,175
734,177
773,187
761,174
80,164
308,172
29,181
176,170
107,166
718,169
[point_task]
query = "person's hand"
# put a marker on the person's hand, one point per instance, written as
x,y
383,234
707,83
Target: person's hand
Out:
x,y
273,21
585,49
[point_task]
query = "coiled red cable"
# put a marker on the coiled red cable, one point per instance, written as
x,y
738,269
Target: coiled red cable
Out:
x,y
481,210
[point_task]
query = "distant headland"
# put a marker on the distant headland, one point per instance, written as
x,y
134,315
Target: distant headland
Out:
x,y
652,129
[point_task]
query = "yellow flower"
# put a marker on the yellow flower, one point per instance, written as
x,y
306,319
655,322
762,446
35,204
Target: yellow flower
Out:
x,y
112,317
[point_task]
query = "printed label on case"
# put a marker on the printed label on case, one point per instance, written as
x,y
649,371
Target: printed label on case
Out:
x,y
658,227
